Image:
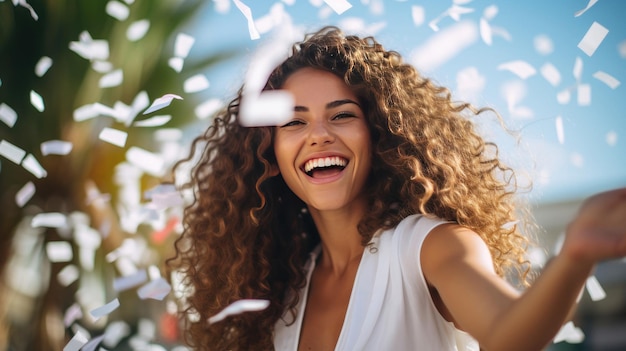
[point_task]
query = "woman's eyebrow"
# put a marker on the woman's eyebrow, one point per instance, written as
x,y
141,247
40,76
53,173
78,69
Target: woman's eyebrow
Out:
x,y
329,105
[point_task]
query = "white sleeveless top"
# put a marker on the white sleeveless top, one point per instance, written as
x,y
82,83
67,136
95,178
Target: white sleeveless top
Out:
x,y
390,306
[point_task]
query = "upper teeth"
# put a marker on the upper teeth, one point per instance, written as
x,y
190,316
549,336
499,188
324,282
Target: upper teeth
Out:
x,y
324,162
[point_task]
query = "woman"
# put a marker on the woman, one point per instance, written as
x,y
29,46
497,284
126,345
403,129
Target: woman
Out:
x,y
375,219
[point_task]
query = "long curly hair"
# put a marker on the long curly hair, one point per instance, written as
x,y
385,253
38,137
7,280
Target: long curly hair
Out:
x,y
246,235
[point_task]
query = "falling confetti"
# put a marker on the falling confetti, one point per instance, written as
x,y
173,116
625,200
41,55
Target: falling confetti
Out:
x,y
196,83
25,194
11,152
56,147
111,79
607,79
611,138
31,164
117,10
560,133
339,6
520,68
7,115
137,30
113,136
161,102
593,38
59,251
37,101
595,289
580,12
240,306
245,10
42,66
104,310
551,74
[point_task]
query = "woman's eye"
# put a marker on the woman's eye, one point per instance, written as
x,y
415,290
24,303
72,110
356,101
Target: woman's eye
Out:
x,y
343,115
295,122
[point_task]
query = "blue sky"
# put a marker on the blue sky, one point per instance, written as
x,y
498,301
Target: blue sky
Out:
x,y
589,154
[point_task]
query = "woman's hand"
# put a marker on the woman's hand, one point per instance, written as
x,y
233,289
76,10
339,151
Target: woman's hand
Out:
x,y
598,232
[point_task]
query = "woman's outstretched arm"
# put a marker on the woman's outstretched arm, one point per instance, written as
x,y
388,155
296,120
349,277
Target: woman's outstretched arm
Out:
x,y
457,263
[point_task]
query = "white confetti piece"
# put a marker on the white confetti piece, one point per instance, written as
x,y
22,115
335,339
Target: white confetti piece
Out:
x,y
90,49
577,160
470,83
115,332
520,68
73,313
104,310
240,306
543,44
564,97
485,31
147,161
183,44
31,164
444,45
621,49
589,4
455,12
551,74
88,240
113,136
11,152
569,333
43,65
245,10
49,220
59,251
417,15
339,6
56,147
271,108
7,115
607,79
130,281
584,94
577,71
102,66
208,108
155,289
37,101
560,133
593,38
196,83
117,10
490,12
611,138
161,102
68,275
93,343
137,30
26,5
25,194
595,289
154,121
78,340
111,79
176,63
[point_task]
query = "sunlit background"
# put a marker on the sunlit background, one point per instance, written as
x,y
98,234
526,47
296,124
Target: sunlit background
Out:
x,y
99,98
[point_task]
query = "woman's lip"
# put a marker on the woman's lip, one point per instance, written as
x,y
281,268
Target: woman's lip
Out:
x,y
325,180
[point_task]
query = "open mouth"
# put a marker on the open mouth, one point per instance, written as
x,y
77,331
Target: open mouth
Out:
x,y
325,166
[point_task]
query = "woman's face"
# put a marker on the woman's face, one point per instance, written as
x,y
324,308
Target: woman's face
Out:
x,y
324,152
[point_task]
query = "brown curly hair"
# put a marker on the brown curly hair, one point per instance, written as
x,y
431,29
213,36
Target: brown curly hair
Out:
x,y
246,235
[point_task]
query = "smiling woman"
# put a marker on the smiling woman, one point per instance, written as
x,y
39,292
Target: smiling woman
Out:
x,y
376,218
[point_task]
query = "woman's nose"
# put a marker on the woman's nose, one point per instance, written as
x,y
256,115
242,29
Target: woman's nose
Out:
x,y
320,133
